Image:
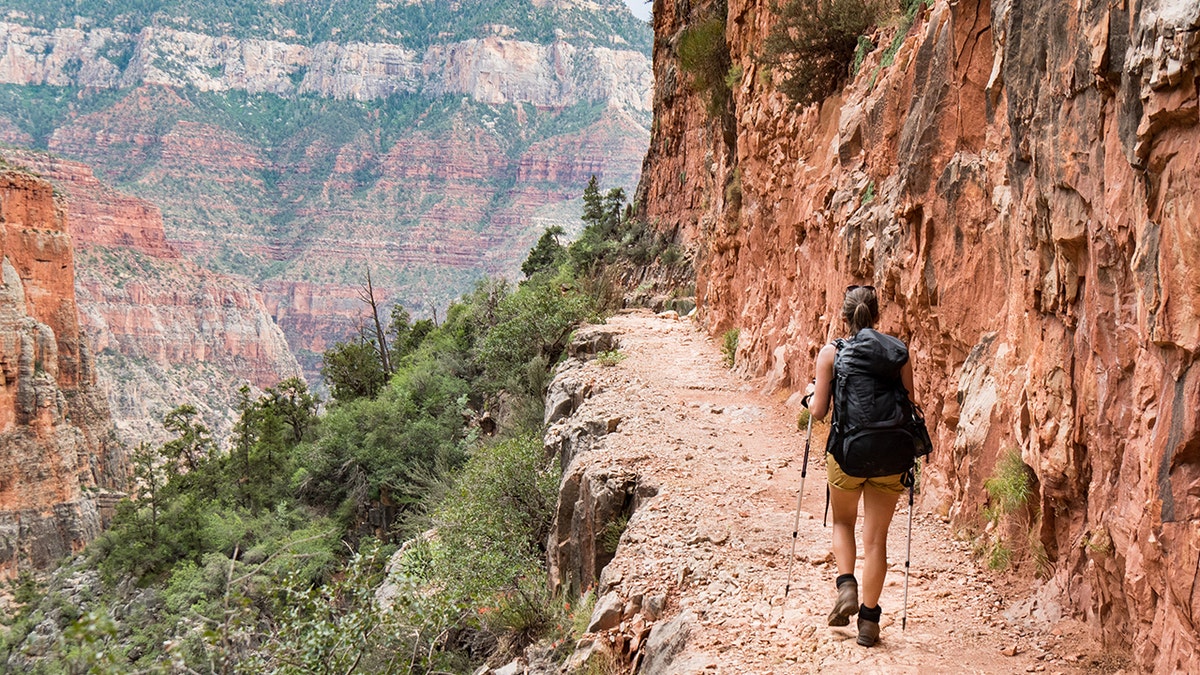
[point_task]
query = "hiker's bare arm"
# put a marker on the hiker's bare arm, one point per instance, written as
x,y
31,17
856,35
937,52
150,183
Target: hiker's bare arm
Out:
x,y
819,406
906,376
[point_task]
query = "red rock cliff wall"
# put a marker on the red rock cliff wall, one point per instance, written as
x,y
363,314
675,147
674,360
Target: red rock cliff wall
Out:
x,y
58,459
165,331
1022,187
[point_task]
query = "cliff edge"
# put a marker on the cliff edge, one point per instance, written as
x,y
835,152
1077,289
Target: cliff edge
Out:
x,y
60,468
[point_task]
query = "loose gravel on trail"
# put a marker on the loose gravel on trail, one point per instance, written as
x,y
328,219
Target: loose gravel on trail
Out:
x,y
726,460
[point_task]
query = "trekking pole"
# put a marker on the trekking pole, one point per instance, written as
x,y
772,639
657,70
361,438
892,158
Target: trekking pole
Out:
x,y
912,482
825,518
799,497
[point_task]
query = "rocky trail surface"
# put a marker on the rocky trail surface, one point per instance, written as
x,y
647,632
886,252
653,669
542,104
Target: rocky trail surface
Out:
x,y
697,582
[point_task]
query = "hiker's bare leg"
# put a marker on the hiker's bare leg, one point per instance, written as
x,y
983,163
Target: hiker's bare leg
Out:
x,y
844,504
878,508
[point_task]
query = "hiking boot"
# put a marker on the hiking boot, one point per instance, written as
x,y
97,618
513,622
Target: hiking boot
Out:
x,y
868,632
846,605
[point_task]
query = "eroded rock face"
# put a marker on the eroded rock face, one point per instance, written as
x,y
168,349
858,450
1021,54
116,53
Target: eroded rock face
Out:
x,y
60,467
493,70
1021,186
165,331
498,138
594,500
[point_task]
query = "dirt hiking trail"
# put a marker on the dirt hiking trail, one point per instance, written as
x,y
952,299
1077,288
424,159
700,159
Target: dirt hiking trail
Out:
x,y
715,540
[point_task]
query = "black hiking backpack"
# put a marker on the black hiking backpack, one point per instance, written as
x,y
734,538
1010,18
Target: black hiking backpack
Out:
x,y
876,430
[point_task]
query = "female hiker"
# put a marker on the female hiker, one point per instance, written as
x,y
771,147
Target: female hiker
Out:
x,y
860,310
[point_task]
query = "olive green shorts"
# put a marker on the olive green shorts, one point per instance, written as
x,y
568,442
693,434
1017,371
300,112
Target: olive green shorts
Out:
x,y
837,478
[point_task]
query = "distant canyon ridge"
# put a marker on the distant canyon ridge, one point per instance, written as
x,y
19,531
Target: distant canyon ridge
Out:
x,y
228,191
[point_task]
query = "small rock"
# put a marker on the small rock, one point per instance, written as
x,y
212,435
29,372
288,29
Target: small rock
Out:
x,y
653,606
633,606
1010,650
607,613
613,423
821,559
514,667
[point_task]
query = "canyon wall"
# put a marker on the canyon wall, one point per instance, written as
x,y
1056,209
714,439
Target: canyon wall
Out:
x,y
61,469
431,158
492,70
165,332
1020,184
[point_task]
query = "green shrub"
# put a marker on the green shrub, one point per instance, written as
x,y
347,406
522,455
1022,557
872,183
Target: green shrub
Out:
x,y
814,43
1000,556
491,532
581,616
339,627
911,7
610,358
729,345
1009,487
533,322
734,77
704,56
865,46
1009,490
868,193
609,537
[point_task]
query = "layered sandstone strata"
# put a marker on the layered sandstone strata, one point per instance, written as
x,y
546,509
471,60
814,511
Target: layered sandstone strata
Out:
x,y
60,467
165,331
461,153
1021,186
493,70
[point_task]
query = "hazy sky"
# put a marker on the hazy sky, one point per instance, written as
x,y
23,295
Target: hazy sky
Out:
x,y
641,8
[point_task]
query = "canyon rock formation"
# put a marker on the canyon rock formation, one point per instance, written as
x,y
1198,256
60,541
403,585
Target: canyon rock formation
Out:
x,y
492,70
299,162
1020,184
164,331
61,468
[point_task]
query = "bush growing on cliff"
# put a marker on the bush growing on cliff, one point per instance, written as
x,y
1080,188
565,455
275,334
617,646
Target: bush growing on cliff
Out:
x,y
813,44
729,345
492,530
704,56
1011,536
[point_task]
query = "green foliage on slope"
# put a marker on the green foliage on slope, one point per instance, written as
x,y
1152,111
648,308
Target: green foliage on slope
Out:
x,y
266,556
414,24
271,215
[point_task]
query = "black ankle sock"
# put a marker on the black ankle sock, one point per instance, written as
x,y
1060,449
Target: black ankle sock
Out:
x,y
870,613
843,578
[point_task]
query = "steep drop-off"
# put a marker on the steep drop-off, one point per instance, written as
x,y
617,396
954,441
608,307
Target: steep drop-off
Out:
x,y
1020,185
164,331
61,468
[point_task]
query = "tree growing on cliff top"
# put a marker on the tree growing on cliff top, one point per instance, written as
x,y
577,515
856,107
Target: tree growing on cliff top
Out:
x,y
812,44
547,255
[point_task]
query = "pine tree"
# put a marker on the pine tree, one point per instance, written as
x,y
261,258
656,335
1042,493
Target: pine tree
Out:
x,y
547,255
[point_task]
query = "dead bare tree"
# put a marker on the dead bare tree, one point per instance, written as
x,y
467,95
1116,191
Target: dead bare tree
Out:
x,y
367,295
